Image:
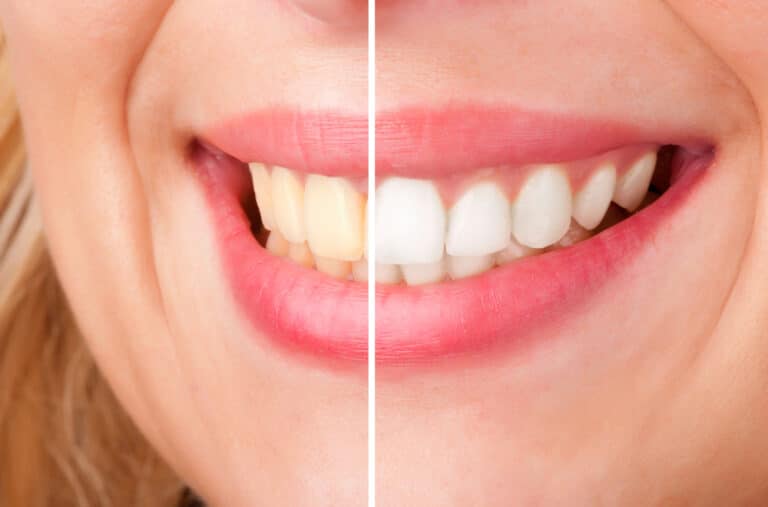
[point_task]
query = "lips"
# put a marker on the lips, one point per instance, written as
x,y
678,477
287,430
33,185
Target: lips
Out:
x,y
306,296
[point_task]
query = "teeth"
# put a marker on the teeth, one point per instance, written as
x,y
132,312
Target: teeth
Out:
x,y
542,212
410,222
592,201
632,186
422,274
335,268
288,204
320,221
464,267
277,245
300,254
388,274
480,222
262,187
333,214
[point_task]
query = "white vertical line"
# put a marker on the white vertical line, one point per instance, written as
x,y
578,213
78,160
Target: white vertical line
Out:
x,y
371,253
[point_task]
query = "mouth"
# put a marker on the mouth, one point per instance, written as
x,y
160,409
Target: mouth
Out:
x,y
487,222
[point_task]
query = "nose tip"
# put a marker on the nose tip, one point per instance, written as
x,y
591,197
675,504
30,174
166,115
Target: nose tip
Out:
x,y
335,12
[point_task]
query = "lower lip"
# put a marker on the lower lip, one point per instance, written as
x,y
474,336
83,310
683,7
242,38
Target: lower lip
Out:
x,y
307,312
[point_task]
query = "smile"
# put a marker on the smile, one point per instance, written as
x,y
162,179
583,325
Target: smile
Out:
x,y
486,221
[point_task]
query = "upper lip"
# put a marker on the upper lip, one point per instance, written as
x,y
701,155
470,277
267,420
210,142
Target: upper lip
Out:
x,y
456,317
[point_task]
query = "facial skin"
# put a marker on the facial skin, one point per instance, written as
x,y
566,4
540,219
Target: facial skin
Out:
x,y
653,391
112,94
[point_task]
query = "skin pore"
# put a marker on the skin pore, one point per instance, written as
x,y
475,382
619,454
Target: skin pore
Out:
x,y
112,95
652,393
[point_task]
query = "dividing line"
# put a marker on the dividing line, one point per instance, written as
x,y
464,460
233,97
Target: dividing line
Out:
x,y
371,253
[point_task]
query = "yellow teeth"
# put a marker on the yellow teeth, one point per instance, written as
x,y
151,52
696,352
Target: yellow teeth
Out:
x,y
334,213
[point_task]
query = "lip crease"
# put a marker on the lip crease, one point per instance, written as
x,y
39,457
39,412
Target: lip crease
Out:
x,y
308,312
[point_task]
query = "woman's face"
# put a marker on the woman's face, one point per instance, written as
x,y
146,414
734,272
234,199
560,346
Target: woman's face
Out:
x,y
629,368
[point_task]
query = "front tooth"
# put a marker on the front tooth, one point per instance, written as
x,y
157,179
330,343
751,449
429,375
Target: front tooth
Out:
x,y
333,267
421,274
633,185
592,201
288,203
333,214
463,267
388,274
410,222
277,245
542,212
262,187
300,254
479,223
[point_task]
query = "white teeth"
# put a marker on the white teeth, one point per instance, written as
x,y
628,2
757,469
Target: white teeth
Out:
x,y
410,222
388,274
288,203
479,223
262,187
542,212
360,270
633,185
463,267
333,213
513,252
594,198
332,267
421,274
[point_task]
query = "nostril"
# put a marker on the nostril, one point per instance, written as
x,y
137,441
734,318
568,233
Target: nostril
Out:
x,y
346,13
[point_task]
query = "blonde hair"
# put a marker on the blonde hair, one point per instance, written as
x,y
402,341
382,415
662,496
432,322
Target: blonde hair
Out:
x,y
64,440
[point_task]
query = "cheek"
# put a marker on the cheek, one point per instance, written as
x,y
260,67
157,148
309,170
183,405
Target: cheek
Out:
x,y
737,33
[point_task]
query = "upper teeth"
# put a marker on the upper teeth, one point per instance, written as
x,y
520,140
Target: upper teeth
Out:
x,y
321,221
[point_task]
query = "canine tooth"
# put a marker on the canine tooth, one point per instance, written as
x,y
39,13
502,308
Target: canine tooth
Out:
x,y
633,185
466,266
277,245
262,187
592,201
300,254
333,216
421,274
513,252
288,204
333,267
479,223
410,222
360,270
388,274
542,212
